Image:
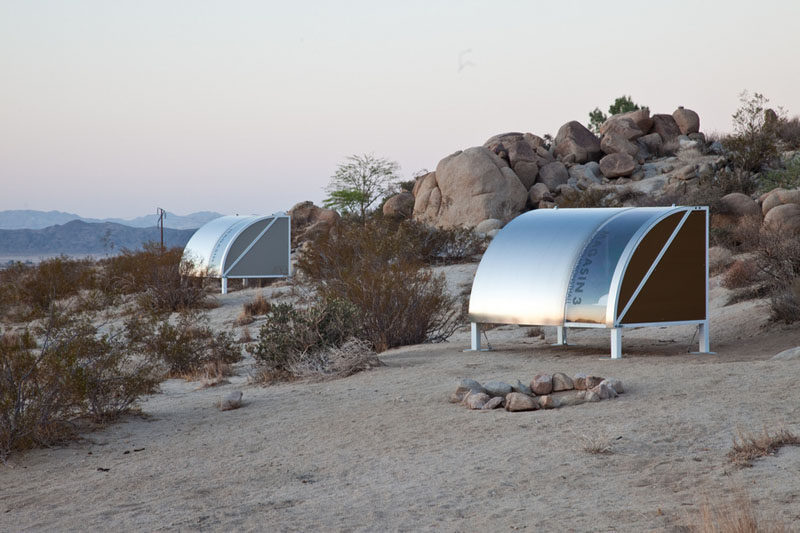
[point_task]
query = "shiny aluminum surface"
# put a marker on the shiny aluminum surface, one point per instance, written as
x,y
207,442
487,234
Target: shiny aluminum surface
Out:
x,y
207,249
525,273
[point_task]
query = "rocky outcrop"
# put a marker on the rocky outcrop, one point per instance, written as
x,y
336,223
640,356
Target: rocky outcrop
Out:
x,y
576,144
310,221
525,153
667,128
617,165
468,187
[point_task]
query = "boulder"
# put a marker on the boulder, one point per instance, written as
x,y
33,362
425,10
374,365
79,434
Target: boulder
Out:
x,y
524,153
620,126
553,174
569,397
686,172
687,120
593,381
233,400
602,391
562,382
591,396
465,386
640,118
399,206
617,165
539,192
667,128
778,197
310,221
733,207
494,403
542,384
653,143
576,144
784,218
614,384
526,171
588,173
476,400
616,144
516,401
497,388
488,225
548,401
521,387
467,188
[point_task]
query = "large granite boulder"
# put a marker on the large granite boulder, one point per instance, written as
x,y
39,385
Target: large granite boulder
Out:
x,y
524,153
617,165
687,120
612,143
310,221
784,218
667,128
576,144
468,187
777,197
399,206
640,118
733,207
553,174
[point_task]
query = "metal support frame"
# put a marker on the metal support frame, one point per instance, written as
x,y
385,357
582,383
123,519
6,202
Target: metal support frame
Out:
x,y
475,338
705,342
616,343
224,285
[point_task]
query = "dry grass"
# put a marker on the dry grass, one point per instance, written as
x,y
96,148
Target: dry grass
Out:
x,y
750,446
740,274
246,337
737,516
595,444
535,332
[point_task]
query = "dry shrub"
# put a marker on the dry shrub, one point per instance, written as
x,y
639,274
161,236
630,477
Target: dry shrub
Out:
x,y
754,142
33,288
736,516
789,132
245,337
740,274
535,332
185,347
381,274
256,307
337,362
778,259
156,275
76,371
596,444
750,446
293,336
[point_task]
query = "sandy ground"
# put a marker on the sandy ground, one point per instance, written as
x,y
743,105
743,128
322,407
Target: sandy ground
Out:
x,y
384,450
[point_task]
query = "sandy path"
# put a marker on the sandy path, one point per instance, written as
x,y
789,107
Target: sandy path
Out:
x,y
384,450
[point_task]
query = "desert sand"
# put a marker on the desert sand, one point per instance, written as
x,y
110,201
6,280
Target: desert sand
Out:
x,y
384,450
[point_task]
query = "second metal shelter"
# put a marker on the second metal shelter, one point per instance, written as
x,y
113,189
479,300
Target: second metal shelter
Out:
x,y
610,268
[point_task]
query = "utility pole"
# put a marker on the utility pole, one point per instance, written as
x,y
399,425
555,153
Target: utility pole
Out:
x,y
161,216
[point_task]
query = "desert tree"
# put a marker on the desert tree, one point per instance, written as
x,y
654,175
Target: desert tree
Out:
x,y
360,182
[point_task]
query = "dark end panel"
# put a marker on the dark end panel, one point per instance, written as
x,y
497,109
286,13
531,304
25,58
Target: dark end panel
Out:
x,y
643,257
676,289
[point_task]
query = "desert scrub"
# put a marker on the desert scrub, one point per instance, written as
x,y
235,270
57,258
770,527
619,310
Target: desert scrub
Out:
x,y
156,277
295,336
399,301
787,177
184,347
31,289
754,143
75,371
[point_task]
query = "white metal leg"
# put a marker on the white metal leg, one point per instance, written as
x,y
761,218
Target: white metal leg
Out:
x,y
224,285
561,335
244,282
475,336
705,342
616,343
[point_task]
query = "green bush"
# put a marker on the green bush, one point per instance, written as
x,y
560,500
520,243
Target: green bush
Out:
x,y
184,347
787,177
754,143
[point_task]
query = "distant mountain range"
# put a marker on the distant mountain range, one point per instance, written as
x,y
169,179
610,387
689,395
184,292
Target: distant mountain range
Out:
x,y
77,237
29,219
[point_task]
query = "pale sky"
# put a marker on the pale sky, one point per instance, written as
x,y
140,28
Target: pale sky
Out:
x,y
116,107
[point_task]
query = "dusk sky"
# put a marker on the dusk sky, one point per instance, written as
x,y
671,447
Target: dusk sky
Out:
x,y
113,108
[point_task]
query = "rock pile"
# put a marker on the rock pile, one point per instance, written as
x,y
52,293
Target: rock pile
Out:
x,y
515,171
545,391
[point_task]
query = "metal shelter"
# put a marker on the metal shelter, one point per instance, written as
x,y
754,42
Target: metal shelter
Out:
x,y
242,247
612,268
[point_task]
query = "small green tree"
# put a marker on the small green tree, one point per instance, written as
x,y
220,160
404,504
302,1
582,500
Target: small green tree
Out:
x,y
623,104
360,182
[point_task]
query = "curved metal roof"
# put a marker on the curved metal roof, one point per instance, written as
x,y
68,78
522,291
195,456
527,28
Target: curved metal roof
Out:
x,y
556,266
220,247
